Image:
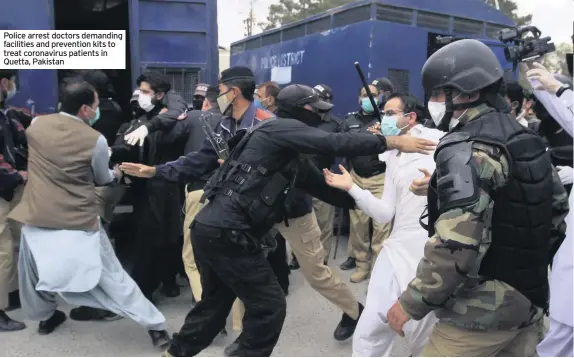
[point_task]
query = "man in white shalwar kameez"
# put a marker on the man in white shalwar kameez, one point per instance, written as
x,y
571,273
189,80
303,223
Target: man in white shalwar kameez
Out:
x,y
559,103
396,265
64,248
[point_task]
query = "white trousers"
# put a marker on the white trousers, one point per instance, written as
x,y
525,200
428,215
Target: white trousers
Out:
x,y
558,341
374,337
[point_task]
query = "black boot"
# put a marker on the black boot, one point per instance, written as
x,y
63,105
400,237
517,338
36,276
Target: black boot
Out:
x,y
346,327
84,313
159,338
13,301
170,289
294,265
349,264
7,324
48,326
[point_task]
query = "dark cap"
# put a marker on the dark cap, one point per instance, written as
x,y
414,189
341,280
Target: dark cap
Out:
x,y
212,91
236,73
201,89
300,95
324,92
384,84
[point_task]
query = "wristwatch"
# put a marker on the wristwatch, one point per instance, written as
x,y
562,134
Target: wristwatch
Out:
x,y
562,89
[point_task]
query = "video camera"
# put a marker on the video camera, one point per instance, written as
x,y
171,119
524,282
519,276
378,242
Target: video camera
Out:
x,y
525,48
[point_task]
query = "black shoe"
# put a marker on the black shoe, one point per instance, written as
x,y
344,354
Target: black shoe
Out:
x,y
159,339
84,313
294,265
170,290
48,326
14,301
349,264
232,350
7,324
346,327
223,332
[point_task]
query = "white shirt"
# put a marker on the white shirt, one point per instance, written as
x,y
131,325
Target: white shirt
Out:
x,y
560,108
405,245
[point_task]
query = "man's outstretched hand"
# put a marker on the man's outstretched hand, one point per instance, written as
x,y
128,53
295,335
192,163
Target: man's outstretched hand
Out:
x,y
137,170
409,144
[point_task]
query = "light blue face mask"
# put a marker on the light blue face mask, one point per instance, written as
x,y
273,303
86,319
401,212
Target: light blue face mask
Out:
x,y
96,118
389,125
366,105
258,104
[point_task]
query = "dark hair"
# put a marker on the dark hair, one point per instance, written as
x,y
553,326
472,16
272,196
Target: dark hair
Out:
x,y
271,88
75,94
516,94
8,74
211,95
157,81
100,81
410,104
246,86
376,94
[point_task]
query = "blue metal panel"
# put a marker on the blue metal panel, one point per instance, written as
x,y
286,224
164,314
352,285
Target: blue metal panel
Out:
x,y
326,58
37,88
174,33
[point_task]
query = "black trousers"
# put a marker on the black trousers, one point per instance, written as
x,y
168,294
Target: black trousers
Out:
x,y
229,270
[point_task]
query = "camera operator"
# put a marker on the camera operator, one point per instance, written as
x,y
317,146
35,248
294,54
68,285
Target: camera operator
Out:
x,y
557,100
554,108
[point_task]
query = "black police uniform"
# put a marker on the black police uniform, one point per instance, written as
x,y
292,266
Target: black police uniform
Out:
x,y
247,197
365,166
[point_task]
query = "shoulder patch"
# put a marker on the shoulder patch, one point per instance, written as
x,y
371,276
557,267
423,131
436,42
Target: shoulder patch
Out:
x,y
261,114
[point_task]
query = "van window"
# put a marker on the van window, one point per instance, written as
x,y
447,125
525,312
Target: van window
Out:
x,y
394,14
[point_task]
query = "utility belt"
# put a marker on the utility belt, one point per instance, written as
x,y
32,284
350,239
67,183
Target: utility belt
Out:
x,y
265,199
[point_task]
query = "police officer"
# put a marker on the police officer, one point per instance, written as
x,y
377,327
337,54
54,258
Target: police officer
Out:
x,y
369,173
247,196
324,212
496,216
384,88
199,96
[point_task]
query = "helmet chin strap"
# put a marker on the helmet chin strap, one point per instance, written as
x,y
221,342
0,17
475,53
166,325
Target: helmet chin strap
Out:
x,y
445,121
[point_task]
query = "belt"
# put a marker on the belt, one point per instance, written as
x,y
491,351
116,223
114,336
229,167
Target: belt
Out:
x,y
195,185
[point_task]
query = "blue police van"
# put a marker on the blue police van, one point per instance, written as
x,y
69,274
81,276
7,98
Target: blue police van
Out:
x,y
389,38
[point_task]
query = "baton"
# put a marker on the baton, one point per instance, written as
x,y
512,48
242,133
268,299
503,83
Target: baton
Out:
x,y
339,225
366,87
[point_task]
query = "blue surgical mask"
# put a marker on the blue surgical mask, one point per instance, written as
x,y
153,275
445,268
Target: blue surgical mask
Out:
x,y
258,103
96,118
366,105
389,125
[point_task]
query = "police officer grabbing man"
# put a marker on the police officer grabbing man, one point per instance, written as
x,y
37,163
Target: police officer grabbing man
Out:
x,y
496,216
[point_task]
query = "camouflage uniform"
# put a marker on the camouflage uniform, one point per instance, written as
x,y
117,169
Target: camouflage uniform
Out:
x,y
461,241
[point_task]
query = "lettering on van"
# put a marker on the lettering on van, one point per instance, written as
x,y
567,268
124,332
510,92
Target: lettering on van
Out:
x,y
283,60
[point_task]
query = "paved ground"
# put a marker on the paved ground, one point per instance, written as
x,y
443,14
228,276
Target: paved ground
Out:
x,y
308,329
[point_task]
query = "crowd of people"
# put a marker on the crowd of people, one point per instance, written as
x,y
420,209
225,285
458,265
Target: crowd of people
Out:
x,y
457,208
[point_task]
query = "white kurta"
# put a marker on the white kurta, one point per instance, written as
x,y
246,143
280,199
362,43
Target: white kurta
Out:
x,y
397,263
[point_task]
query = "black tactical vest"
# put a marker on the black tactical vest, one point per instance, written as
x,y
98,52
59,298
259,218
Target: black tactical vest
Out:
x,y
521,224
263,193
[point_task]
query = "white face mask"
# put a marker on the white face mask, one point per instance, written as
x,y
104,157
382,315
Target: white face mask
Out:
x,y
224,102
437,111
145,102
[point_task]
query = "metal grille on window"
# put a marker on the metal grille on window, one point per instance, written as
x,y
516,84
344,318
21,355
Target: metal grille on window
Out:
x,y
294,32
319,25
433,21
399,79
394,14
271,39
183,81
351,16
493,30
466,26
253,44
